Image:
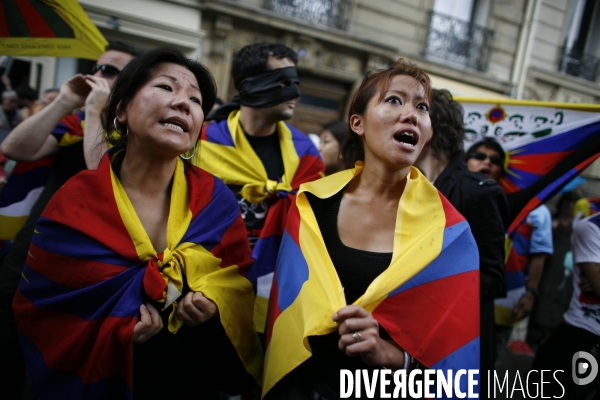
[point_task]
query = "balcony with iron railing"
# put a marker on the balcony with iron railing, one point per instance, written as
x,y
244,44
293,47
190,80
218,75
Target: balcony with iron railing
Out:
x,y
461,42
577,63
331,13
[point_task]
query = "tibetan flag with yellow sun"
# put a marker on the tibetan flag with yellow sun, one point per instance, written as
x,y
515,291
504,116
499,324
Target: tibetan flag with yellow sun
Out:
x,y
547,144
54,28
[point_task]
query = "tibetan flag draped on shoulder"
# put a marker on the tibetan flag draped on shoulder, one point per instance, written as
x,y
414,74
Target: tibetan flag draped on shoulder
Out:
x,y
547,144
70,129
91,265
225,152
427,299
23,188
28,179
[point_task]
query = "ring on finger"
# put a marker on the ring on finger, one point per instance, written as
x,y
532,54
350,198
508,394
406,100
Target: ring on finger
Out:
x,y
356,336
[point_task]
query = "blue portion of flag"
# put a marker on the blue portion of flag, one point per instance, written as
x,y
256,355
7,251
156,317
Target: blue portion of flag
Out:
x,y
292,274
454,256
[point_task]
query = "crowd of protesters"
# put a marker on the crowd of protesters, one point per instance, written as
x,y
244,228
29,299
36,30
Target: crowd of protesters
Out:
x,y
182,247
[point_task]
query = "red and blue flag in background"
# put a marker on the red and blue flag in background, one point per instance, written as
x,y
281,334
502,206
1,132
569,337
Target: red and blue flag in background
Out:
x,y
547,145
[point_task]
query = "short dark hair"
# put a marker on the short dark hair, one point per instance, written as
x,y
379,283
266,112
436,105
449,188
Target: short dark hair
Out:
x,y
377,83
339,129
25,91
491,144
138,72
447,121
253,59
124,48
566,197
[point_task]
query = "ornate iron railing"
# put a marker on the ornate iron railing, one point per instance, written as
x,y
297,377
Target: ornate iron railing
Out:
x,y
579,64
459,41
332,13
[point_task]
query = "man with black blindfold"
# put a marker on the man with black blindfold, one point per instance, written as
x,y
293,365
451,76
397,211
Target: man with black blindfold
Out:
x,y
262,159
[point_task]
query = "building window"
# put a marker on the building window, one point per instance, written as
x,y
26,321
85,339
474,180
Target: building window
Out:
x,y
455,33
579,54
332,13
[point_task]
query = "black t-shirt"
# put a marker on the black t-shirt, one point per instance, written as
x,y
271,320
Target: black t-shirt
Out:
x,y
268,149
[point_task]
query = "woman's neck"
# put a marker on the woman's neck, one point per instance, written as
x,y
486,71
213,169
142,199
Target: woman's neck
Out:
x,y
147,175
380,183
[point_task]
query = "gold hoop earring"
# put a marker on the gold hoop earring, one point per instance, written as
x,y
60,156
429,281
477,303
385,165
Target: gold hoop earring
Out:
x,y
126,129
193,152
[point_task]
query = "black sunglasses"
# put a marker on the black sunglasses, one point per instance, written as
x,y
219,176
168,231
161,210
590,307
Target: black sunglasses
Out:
x,y
481,156
107,70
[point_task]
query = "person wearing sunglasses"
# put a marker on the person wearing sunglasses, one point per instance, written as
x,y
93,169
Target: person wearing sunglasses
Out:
x,y
487,157
73,140
107,71
479,199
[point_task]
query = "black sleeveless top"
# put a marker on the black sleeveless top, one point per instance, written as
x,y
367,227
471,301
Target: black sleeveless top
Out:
x,y
356,270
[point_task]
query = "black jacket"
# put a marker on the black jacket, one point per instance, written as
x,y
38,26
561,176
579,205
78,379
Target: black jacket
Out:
x,y
483,204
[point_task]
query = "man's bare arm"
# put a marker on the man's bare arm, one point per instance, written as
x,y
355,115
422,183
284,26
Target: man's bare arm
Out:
x,y
31,139
536,268
535,271
94,144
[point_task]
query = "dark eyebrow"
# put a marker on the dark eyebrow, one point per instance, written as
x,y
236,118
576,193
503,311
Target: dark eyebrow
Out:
x,y
175,80
403,94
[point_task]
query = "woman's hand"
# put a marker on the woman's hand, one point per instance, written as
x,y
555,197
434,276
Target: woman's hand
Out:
x,y
150,324
195,309
359,336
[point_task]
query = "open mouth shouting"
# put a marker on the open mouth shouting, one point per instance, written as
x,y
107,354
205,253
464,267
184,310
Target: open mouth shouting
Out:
x,y
407,138
486,171
175,123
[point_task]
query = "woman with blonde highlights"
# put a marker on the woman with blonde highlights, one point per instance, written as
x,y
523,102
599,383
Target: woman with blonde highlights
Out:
x,y
376,269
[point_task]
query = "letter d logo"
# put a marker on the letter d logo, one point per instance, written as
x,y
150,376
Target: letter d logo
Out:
x,y
583,367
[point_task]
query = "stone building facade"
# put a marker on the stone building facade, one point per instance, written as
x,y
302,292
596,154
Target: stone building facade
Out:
x,y
525,49
482,48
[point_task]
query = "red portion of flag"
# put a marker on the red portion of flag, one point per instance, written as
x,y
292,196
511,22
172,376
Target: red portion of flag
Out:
x,y
445,313
35,22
